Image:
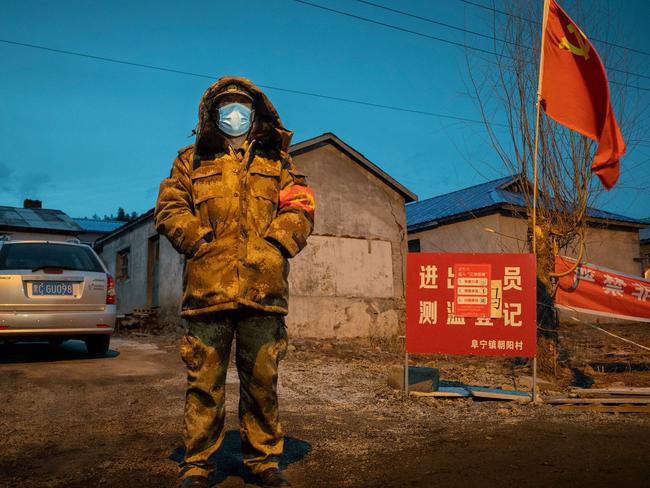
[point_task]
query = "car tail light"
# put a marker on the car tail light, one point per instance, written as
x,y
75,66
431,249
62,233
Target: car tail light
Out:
x,y
103,326
110,290
4,327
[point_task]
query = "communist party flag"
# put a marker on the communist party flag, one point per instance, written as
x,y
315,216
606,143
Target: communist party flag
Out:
x,y
575,92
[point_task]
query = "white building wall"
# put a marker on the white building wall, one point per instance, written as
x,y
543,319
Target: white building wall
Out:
x,y
131,292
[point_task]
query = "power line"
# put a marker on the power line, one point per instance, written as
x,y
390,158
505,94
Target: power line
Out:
x,y
440,39
394,27
492,9
436,22
268,87
479,34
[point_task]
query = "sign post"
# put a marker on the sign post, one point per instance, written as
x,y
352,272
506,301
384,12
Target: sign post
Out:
x,y
471,304
535,379
406,372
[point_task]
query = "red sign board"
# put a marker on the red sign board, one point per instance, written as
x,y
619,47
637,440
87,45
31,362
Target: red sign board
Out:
x,y
437,322
601,291
472,290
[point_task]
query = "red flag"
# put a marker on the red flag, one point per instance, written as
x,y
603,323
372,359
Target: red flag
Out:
x,y
575,91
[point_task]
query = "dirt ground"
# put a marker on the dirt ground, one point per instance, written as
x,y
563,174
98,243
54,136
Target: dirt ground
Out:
x,y
71,421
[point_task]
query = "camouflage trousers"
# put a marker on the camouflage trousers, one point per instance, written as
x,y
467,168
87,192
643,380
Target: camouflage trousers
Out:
x,y
261,342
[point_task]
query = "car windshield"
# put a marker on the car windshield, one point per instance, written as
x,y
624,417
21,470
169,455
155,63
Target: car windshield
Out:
x,y
37,255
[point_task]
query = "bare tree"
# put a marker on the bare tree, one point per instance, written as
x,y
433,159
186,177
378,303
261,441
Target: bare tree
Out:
x,y
505,87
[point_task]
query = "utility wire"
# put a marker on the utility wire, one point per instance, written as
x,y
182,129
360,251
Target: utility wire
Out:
x,y
492,9
446,41
394,27
269,87
605,331
474,33
436,22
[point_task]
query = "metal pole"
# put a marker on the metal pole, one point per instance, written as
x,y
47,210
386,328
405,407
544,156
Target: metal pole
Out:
x,y
535,379
406,371
539,96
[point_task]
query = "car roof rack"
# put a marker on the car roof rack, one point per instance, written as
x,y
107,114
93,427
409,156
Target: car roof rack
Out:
x,y
73,239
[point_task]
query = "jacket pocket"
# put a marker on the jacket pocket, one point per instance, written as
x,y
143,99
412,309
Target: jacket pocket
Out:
x,y
264,187
202,249
207,186
207,182
264,179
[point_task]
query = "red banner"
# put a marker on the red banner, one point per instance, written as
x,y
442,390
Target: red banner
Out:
x,y
434,318
601,291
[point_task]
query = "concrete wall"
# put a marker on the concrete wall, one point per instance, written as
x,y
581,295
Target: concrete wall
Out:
x,y
473,236
349,280
615,249
645,259
132,293
612,248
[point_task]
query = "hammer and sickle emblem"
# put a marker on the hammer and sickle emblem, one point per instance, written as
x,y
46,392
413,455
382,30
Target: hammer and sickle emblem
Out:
x,y
583,45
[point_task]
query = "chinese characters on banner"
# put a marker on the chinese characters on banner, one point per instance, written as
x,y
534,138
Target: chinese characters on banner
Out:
x,y
480,304
601,291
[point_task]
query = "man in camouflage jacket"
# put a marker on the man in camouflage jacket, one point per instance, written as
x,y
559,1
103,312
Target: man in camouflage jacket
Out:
x,y
237,208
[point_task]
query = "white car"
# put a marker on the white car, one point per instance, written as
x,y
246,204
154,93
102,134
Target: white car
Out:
x,y
54,291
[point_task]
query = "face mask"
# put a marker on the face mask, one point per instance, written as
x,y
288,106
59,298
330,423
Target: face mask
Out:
x,y
234,119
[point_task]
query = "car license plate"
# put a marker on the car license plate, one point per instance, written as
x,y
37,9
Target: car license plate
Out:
x,y
51,288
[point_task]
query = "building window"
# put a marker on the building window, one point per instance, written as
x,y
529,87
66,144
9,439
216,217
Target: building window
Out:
x,y
414,245
122,264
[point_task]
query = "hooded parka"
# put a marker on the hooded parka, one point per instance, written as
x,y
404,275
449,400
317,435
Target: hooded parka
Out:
x,y
254,203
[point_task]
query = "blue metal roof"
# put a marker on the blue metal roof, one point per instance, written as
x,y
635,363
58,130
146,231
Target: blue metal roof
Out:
x,y
430,212
96,225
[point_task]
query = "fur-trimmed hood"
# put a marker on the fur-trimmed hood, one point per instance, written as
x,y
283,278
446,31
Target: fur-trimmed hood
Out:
x,y
267,130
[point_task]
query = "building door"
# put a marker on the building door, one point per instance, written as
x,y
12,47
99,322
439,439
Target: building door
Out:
x,y
153,271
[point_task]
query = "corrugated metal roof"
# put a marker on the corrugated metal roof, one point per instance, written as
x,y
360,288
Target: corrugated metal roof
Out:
x,y
463,201
431,211
37,218
96,225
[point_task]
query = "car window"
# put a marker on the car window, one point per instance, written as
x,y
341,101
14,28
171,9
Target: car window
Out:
x,y
34,255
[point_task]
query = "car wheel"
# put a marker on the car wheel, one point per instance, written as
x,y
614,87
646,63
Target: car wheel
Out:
x,y
97,345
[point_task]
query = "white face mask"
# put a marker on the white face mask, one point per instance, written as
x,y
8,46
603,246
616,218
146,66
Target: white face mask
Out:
x,y
234,119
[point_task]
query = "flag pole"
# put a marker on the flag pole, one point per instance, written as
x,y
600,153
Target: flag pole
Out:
x,y
539,96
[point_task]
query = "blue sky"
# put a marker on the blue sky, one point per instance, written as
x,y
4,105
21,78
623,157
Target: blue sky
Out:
x,y
86,136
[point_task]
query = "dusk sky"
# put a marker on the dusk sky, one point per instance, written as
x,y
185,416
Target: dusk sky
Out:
x,y
87,135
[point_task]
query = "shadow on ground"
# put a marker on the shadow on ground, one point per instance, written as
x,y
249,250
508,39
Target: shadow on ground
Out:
x,y
228,460
35,352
